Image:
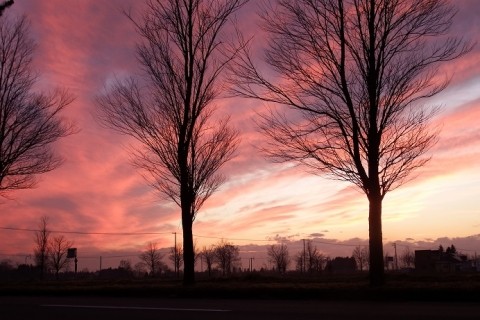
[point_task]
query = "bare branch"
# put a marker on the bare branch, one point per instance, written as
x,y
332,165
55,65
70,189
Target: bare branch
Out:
x,y
30,122
171,112
357,73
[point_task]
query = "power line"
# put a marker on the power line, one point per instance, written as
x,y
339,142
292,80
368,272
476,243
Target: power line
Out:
x,y
88,233
201,236
233,239
339,244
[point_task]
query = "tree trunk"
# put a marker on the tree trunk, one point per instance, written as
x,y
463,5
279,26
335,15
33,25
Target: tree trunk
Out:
x,y
377,275
188,254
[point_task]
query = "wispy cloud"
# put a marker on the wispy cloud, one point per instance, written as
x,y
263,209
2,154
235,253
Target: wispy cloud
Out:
x,y
82,45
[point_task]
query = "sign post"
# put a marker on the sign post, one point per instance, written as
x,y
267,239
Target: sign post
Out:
x,y
72,253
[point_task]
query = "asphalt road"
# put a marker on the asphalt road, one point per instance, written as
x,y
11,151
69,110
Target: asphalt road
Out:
x,y
95,308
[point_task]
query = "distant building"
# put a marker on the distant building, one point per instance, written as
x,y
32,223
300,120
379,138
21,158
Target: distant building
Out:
x,y
341,265
428,261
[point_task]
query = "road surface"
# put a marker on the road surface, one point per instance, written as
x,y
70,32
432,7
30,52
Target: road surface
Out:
x,y
88,308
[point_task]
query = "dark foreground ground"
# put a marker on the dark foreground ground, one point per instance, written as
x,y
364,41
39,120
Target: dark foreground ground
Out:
x,y
252,297
400,287
139,308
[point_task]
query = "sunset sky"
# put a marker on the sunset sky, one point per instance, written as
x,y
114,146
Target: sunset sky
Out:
x,y
83,44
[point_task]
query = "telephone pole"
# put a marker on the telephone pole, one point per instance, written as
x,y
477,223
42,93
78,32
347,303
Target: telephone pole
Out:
x,y
396,258
175,254
304,257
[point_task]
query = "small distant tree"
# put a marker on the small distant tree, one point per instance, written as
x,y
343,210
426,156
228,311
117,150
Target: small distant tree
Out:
x,y
407,258
278,255
40,251
125,264
6,265
227,256
451,250
152,258
361,256
125,268
140,269
209,256
176,257
310,259
58,247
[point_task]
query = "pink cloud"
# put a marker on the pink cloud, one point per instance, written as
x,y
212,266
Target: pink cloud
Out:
x,y
84,44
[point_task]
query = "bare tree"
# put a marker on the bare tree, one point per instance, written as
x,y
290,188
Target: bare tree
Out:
x,y
152,258
208,254
176,257
125,265
6,265
361,256
278,255
57,250
227,256
183,55
310,259
140,269
41,249
357,73
408,258
30,121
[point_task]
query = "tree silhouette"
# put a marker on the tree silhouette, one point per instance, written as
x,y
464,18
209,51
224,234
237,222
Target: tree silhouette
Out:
x,y
208,254
176,257
278,255
408,258
57,251
356,73
41,249
29,121
152,258
183,55
310,259
361,256
227,257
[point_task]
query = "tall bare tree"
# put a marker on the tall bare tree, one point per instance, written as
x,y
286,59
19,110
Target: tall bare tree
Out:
x,y
41,249
29,121
183,54
356,73
278,255
152,257
57,250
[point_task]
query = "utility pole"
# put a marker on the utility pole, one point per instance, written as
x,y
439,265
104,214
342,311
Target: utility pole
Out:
x,y
396,258
100,263
251,264
304,257
175,255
